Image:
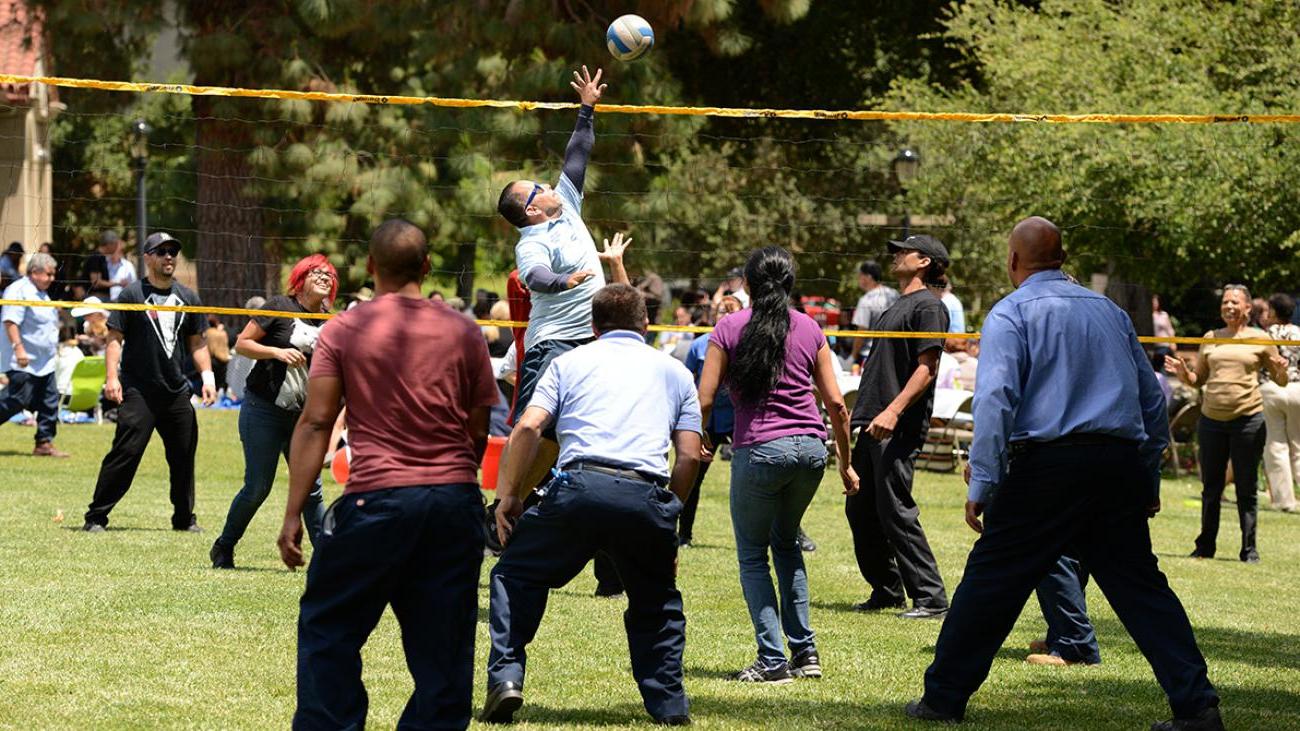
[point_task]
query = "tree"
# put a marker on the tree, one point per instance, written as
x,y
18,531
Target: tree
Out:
x,y
1179,209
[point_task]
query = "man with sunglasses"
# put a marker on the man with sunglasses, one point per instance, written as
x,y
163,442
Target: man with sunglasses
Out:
x,y
558,261
152,348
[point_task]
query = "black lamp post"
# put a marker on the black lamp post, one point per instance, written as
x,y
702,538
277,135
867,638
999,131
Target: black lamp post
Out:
x,y
139,163
906,164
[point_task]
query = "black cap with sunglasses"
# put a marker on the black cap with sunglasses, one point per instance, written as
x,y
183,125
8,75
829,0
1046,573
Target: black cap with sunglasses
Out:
x,y
161,240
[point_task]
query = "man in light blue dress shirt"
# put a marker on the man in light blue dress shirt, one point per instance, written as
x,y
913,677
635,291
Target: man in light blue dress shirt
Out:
x,y
31,340
1069,429
617,406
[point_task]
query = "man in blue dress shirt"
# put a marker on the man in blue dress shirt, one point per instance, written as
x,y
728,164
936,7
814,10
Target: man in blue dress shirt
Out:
x,y
1070,426
617,405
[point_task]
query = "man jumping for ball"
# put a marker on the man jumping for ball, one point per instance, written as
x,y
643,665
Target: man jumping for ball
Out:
x,y
558,261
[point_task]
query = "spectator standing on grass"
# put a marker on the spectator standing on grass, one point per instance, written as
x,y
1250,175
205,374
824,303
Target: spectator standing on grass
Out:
x,y
1282,407
281,347
718,429
153,349
1231,429
774,361
239,367
121,272
956,310
1162,326
1066,391
10,264
408,531
31,343
876,298
892,417
95,273
218,340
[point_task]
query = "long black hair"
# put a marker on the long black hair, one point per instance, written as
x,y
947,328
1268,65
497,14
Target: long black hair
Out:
x,y
760,355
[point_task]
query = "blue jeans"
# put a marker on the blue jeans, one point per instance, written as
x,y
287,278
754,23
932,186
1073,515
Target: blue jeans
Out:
x,y
418,550
265,431
33,393
1070,635
771,486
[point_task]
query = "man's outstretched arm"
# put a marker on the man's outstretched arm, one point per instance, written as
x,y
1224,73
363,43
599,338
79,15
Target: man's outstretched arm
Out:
x,y
578,151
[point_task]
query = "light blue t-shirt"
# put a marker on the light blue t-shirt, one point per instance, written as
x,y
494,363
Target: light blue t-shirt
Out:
x,y
38,327
618,401
956,313
563,245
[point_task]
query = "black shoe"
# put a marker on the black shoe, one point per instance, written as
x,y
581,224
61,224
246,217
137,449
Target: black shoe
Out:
x,y
608,592
1207,720
924,613
1196,553
1251,557
93,527
501,704
222,557
806,664
679,720
756,673
191,528
876,604
805,543
921,712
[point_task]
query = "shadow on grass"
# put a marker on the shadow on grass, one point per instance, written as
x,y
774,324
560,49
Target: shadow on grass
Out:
x,y
121,529
736,711
1268,649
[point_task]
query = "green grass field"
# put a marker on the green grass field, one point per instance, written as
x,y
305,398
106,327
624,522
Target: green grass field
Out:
x,y
132,629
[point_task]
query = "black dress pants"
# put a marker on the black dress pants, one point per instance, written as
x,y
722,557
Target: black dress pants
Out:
x,y
892,551
1090,501
172,416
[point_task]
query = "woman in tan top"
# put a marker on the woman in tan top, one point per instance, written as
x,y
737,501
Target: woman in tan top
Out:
x,y
1232,417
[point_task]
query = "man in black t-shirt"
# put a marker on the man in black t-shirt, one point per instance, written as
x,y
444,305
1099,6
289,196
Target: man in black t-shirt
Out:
x,y
94,275
152,387
891,418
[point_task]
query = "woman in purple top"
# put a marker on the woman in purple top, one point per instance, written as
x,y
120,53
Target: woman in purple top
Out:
x,y
774,359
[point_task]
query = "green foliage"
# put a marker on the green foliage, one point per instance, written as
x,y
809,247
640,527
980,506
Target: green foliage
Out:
x,y
1180,209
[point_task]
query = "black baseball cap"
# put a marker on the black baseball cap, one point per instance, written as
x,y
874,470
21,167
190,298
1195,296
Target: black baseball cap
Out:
x,y
924,245
156,239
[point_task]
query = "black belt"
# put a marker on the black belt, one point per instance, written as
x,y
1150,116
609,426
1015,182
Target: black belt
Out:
x,y
1070,440
616,471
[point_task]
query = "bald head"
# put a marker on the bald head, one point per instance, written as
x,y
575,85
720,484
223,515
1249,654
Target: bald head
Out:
x,y
1035,246
399,251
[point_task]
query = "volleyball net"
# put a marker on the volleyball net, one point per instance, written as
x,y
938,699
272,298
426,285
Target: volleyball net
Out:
x,y
251,180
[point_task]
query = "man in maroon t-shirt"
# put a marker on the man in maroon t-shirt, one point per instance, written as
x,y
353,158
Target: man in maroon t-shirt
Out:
x,y
408,531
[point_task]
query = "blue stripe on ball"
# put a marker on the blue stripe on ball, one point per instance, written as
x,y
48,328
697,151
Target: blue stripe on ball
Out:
x,y
613,38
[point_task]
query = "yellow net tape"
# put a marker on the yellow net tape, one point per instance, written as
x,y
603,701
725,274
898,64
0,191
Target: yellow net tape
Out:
x,y
240,311
856,115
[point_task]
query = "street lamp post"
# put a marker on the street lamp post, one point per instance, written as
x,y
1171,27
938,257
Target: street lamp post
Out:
x,y
906,164
139,163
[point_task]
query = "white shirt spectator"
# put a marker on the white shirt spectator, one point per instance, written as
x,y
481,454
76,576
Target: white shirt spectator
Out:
x,y
122,271
872,304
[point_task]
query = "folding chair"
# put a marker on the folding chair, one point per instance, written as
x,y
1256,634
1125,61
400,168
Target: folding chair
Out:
x,y
87,384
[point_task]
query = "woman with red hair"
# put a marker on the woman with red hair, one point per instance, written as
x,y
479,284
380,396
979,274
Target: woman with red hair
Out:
x,y
281,346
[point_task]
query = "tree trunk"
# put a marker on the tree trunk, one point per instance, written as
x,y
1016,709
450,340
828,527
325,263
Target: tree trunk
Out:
x,y
232,260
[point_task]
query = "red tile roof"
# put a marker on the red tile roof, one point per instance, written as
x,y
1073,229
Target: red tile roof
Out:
x,y
21,45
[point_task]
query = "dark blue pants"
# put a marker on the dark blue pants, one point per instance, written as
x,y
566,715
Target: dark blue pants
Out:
x,y
1090,501
1241,442
1070,635
532,364
418,549
584,512
33,393
265,430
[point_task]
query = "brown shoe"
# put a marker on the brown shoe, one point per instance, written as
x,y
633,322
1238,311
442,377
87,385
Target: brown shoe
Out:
x,y
47,449
1045,659
1039,647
